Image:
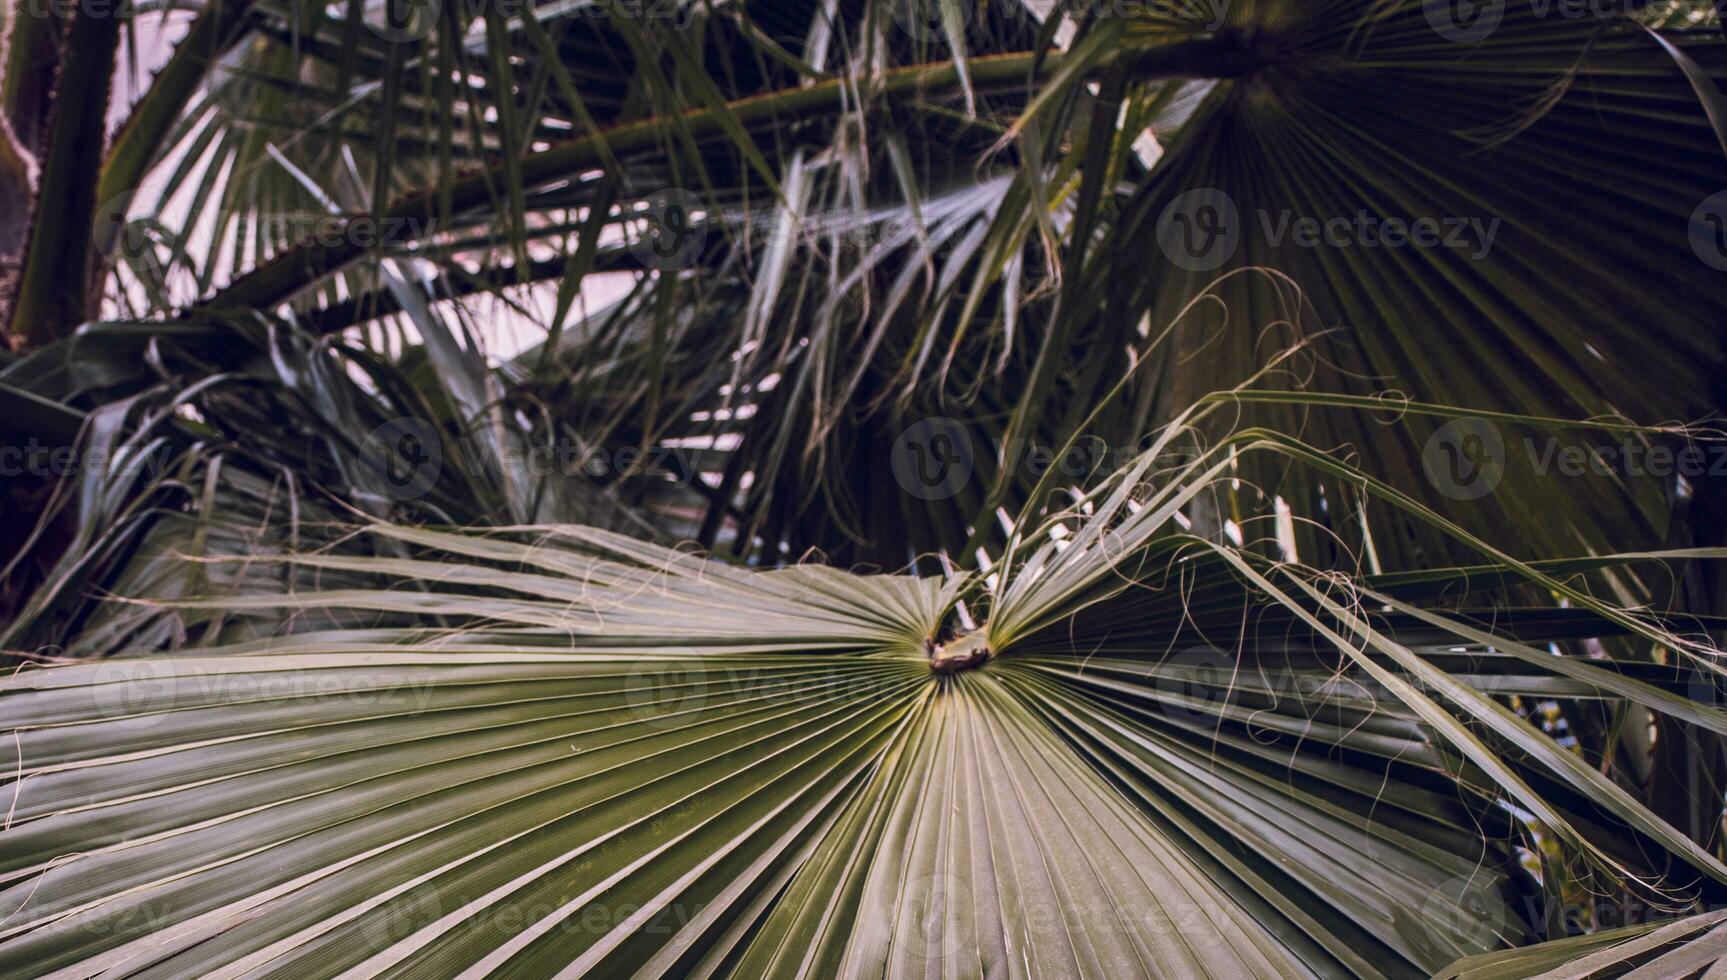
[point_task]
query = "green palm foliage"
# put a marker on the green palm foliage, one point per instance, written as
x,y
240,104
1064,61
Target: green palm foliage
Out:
x,y
551,748
931,220
662,668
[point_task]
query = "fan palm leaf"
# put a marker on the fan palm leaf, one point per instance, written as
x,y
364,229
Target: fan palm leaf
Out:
x,y
559,749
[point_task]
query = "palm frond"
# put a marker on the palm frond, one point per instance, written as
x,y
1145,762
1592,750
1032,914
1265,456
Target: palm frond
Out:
x,y
546,748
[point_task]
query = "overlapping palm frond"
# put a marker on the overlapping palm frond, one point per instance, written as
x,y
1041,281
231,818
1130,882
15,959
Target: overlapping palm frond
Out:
x,y
560,749
1528,145
193,436
916,227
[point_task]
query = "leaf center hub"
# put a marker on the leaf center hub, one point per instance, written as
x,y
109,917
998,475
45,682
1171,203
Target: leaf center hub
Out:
x,y
963,652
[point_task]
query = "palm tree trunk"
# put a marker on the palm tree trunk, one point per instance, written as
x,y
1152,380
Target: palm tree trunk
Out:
x,y
53,290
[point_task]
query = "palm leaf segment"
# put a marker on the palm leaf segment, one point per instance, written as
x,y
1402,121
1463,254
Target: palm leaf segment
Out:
x,y
1537,136
1691,946
561,751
